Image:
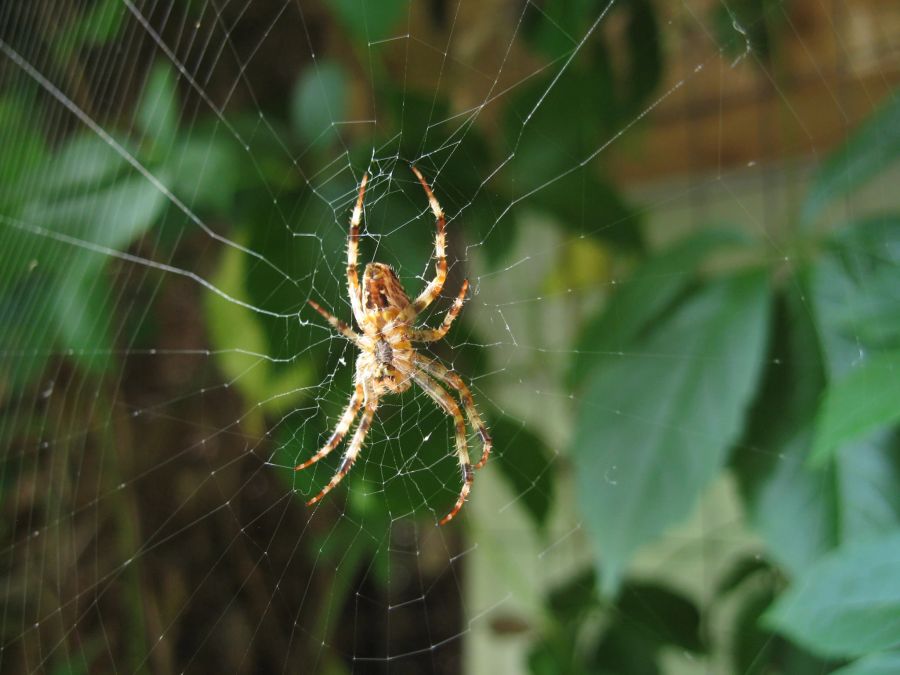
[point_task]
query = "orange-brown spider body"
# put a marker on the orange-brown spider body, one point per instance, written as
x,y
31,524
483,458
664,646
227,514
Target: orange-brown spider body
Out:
x,y
388,353
388,363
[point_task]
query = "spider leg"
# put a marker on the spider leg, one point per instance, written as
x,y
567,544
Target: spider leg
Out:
x,y
433,289
355,446
335,322
446,402
353,287
448,377
433,334
340,430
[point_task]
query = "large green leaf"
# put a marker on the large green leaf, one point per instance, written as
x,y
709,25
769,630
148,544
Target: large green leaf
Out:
x,y
83,304
83,161
157,112
96,25
319,101
25,152
240,346
527,464
866,479
853,287
656,423
26,336
648,292
756,651
75,297
848,604
205,170
886,663
870,149
858,404
782,494
111,217
855,293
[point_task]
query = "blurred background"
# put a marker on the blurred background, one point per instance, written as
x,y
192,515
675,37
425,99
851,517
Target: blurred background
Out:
x,y
681,228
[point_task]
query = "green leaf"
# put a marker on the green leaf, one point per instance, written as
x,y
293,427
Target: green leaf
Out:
x,y
656,423
111,217
205,171
649,291
319,101
96,26
660,615
856,293
757,651
527,465
866,477
239,339
870,149
82,305
848,604
858,404
886,663
783,495
84,160
848,285
157,111
26,330
26,150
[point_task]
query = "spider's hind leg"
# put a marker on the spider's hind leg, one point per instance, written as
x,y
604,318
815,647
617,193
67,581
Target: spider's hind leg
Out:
x,y
340,430
446,402
353,451
451,379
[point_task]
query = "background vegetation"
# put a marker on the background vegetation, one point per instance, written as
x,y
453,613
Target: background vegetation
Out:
x,y
775,356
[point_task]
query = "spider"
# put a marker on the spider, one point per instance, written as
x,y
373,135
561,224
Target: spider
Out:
x,y
388,363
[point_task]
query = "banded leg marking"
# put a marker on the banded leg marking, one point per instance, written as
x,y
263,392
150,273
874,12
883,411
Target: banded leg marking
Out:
x,y
434,334
353,287
446,402
335,322
451,379
433,290
353,451
340,430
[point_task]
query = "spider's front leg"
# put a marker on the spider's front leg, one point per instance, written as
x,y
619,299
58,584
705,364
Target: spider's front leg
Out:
x,y
354,290
335,322
433,290
434,334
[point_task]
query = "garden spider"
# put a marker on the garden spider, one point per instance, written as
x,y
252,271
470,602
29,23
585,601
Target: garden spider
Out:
x,y
388,362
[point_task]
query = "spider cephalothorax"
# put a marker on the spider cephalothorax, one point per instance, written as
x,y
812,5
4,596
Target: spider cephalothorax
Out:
x,y
388,363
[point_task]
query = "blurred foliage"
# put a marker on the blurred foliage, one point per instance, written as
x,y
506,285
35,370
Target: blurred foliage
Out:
x,y
784,375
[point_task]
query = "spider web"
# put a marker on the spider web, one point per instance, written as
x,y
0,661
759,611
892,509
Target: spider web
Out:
x,y
151,517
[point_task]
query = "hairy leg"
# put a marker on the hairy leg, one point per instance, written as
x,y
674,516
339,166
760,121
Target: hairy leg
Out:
x,y
353,287
446,402
349,458
340,430
433,290
434,334
335,322
451,379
